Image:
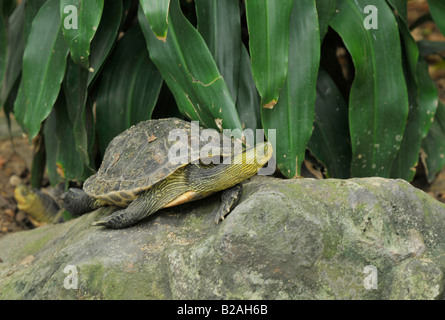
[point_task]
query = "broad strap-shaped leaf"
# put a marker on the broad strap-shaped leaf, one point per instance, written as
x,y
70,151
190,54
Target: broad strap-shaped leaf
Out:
x,y
433,146
105,36
220,26
411,51
325,11
3,45
249,101
75,91
268,24
62,160
329,142
437,11
156,12
293,115
8,105
401,7
191,73
80,21
173,70
38,165
378,102
20,105
16,45
18,31
8,7
129,88
32,7
44,63
423,98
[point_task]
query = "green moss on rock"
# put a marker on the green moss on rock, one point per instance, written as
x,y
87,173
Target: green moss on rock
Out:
x,y
286,239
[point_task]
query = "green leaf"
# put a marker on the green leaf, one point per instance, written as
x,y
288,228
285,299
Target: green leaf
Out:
x,y
248,103
129,88
330,142
20,105
8,106
378,102
423,104
191,73
38,163
14,55
437,11
411,51
75,90
156,12
18,31
62,159
105,37
422,97
44,63
32,7
325,10
433,146
220,26
18,34
293,115
268,24
8,7
3,44
401,7
80,21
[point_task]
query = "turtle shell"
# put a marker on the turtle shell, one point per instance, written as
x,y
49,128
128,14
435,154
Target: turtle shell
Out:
x,y
138,158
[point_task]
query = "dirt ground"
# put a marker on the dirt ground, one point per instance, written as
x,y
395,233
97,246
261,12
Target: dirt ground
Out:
x,y
15,161
16,157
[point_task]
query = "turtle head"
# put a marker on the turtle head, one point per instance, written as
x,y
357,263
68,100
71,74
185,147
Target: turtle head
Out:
x,y
263,153
248,163
241,167
255,157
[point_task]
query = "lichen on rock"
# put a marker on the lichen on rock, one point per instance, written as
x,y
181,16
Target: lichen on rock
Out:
x,y
286,239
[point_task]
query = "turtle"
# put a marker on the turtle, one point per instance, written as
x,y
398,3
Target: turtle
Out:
x,y
139,177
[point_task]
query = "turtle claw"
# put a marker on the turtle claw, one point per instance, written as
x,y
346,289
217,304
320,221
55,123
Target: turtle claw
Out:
x,y
220,214
104,222
99,223
229,199
109,222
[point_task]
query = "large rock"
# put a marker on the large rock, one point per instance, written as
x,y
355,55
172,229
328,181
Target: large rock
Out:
x,y
299,239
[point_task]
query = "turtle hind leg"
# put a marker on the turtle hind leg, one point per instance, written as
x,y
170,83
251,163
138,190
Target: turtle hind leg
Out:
x,y
146,204
137,210
229,199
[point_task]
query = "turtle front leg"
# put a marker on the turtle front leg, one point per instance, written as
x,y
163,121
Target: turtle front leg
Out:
x,y
119,219
229,199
